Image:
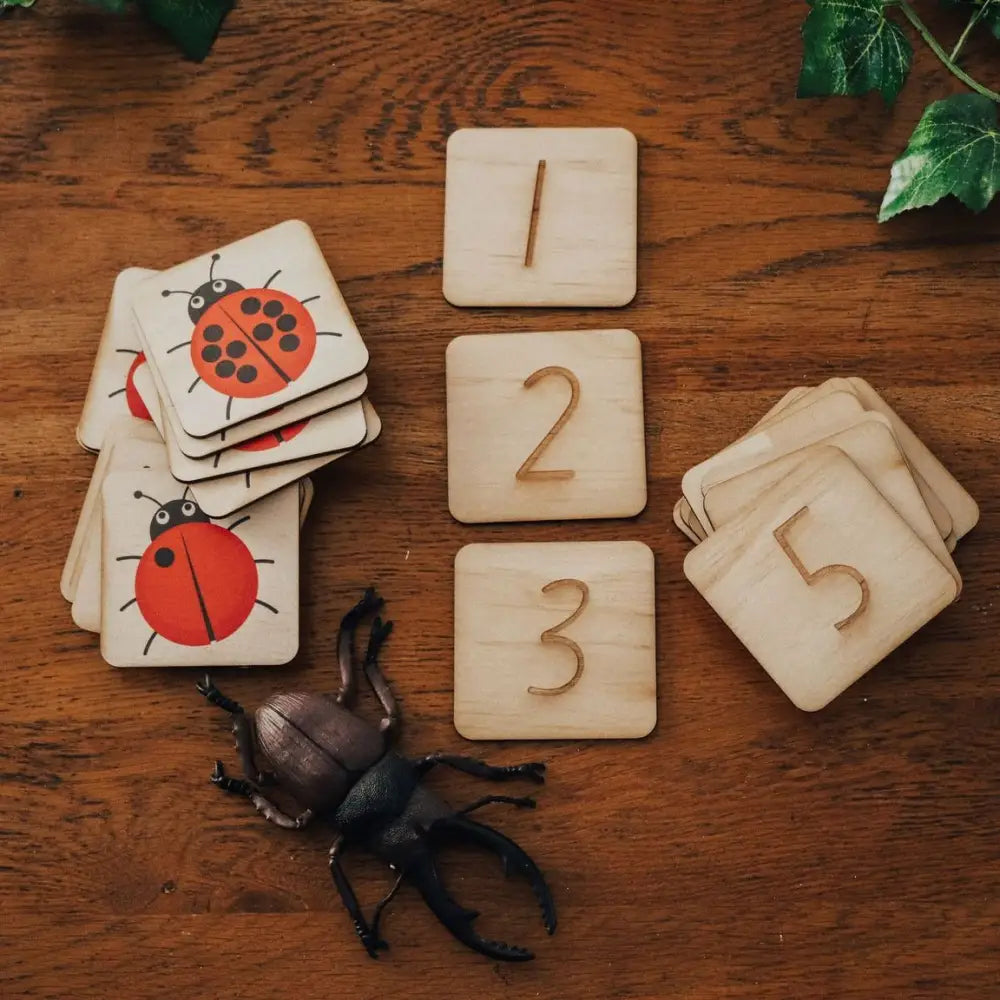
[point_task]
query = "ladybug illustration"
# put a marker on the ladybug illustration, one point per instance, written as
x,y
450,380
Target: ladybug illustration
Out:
x,y
247,342
132,398
196,583
267,440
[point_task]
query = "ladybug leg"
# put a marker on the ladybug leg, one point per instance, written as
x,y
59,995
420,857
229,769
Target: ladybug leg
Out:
x,y
312,298
264,604
149,642
380,632
193,384
229,407
177,347
328,333
267,284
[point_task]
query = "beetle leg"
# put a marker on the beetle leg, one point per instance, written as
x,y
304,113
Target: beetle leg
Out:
x,y
267,809
478,769
208,690
380,632
369,602
369,938
520,802
385,901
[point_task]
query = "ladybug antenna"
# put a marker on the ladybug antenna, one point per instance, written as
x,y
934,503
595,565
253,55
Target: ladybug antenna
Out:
x,y
187,490
211,267
139,495
176,291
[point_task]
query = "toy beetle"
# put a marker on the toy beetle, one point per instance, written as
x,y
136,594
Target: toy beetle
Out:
x,y
339,768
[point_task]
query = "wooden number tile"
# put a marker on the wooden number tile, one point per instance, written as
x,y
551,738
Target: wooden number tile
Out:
x,y
820,579
545,426
555,640
540,217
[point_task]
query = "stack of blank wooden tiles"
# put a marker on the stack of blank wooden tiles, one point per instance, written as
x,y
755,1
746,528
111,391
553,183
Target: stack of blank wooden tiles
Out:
x,y
218,387
824,536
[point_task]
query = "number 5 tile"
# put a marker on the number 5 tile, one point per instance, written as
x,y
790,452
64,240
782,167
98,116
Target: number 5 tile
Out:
x,y
545,426
555,640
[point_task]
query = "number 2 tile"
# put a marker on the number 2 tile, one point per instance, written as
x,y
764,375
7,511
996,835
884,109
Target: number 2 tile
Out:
x,y
555,640
545,426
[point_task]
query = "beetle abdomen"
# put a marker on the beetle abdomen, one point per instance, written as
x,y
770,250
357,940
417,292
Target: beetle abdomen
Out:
x,y
316,748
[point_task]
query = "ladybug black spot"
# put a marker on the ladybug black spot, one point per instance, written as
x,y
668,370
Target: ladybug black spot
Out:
x,y
224,369
286,323
247,373
212,352
273,308
250,305
213,332
164,557
289,342
236,349
263,331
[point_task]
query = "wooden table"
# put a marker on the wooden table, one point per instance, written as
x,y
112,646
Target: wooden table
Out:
x,y
744,850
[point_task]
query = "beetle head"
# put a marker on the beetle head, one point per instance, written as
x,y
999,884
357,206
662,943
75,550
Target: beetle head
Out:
x,y
207,294
172,513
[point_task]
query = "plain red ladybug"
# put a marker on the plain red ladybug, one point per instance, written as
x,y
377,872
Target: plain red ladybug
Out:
x,y
247,342
132,398
196,583
267,440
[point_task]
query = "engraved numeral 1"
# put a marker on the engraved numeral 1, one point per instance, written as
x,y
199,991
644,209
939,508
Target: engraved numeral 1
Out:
x,y
536,204
552,634
528,470
780,535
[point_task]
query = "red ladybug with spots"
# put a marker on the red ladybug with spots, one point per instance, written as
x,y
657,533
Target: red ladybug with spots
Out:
x,y
197,582
268,440
247,342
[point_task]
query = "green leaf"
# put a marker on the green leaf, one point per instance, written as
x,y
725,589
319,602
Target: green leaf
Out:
x,y
955,149
192,24
4,4
850,47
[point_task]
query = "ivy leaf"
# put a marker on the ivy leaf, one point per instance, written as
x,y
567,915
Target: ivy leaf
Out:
x,y
192,24
851,47
955,149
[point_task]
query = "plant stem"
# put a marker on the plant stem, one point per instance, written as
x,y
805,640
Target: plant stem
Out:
x,y
911,16
973,21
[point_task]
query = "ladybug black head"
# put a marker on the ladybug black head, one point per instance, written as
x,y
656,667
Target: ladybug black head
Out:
x,y
209,293
173,513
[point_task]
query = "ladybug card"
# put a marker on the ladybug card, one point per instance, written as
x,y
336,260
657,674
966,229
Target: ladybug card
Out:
x,y
247,328
120,429
111,392
230,493
338,430
148,382
181,588
127,453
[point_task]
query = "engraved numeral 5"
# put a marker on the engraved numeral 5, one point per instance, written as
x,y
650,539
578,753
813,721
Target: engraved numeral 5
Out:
x,y
780,535
528,471
552,634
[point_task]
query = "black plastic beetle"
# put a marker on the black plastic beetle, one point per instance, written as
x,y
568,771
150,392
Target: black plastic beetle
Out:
x,y
339,768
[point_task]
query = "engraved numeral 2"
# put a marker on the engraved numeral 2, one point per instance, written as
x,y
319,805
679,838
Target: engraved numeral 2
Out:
x,y
552,634
527,471
780,535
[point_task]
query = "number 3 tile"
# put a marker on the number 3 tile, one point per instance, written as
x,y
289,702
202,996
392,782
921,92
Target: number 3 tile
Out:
x,y
555,640
545,426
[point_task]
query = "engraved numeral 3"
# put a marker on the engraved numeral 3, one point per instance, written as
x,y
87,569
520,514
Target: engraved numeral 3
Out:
x,y
780,535
552,634
528,472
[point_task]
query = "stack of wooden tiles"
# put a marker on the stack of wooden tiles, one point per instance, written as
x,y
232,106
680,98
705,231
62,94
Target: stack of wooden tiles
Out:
x,y
217,389
824,536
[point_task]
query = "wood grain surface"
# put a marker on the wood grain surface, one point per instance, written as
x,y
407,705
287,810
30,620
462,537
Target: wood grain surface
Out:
x,y
744,851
